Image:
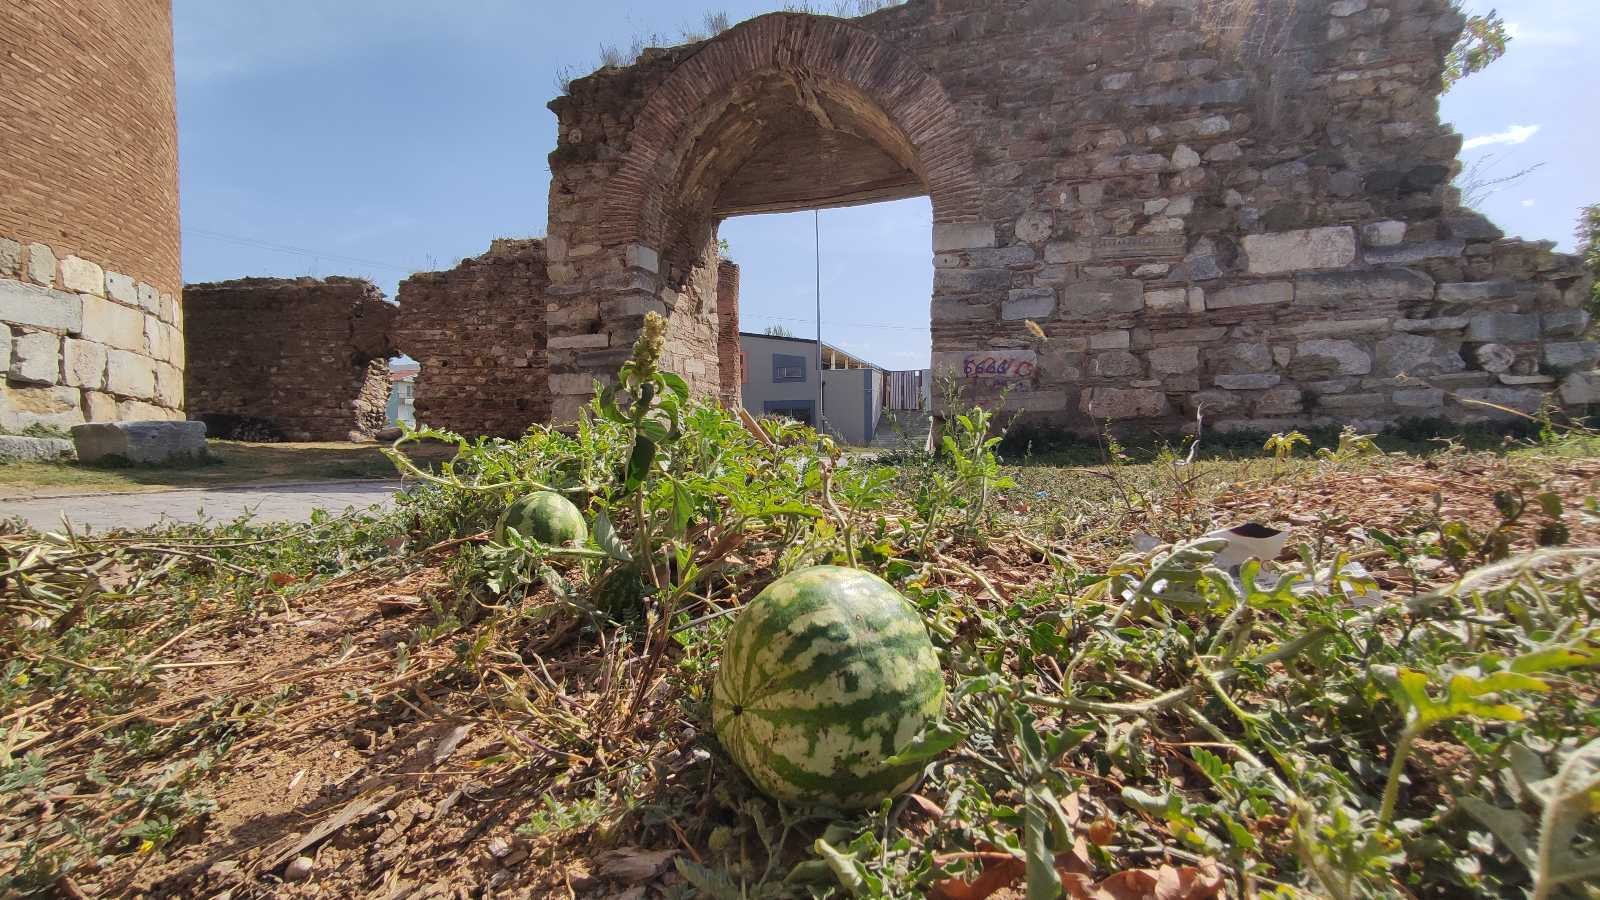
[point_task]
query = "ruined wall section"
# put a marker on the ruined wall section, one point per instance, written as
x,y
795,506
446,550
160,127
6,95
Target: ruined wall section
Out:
x,y
478,331
1262,226
308,357
728,352
1253,220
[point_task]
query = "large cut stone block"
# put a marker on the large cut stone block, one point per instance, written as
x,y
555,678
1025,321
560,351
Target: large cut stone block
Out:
x,y
39,307
1092,299
1029,303
113,324
140,443
1294,251
1264,294
1124,403
37,449
1567,356
130,374
973,236
36,358
1476,291
1321,359
1416,354
1503,328
25,405
83,276
1377,284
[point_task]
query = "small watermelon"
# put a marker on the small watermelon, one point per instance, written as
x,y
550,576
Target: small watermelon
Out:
x,y
826,675
544,516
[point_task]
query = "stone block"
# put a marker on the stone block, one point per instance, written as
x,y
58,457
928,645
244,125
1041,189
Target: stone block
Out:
x,y
39,307
1527,379
1267,293
1565,323
36,358
1116,364
99,407
1124,403
579,342
5,348
120,287
1067,252
149,300
1406,254
578,384
962,236
10,258
171,312
1241,358
1505,328
1471,226
1345,404
1034,227
1426,398
1294,251
1280,401
130,374
638,256
82,276
1417,355
1580,389
1259,382
169,386
1383,234
1217,403
1375,284
1442,323
970,281
1002,257
24,405
1334,327
155,338
959,309
1167,300
1568,356
1477,291
145,411
42,265
1525,400
16,448
147,443
1029,303
1322,358
1103,297
1119,339
113,324
1495,357
1174,360
1166,337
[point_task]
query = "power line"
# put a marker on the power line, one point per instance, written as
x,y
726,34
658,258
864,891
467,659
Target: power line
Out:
x,y
285,248
843,322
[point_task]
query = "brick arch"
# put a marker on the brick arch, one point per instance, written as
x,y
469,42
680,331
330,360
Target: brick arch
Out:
x,y
826,50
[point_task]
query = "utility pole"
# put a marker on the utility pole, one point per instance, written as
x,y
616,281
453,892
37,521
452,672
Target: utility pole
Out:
x,y
816,223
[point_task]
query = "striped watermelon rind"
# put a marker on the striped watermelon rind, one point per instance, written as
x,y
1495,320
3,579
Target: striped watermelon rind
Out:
x,y
544,516
826,675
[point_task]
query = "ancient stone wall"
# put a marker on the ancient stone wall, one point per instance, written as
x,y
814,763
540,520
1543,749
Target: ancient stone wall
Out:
x,y
728,365
1247,214
478,332
89,280
308,357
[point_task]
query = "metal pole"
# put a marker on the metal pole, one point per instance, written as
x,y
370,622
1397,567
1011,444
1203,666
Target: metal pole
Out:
x,y
816,224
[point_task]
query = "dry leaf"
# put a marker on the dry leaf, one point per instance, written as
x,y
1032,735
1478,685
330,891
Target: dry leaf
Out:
x,y
635,864
1102,831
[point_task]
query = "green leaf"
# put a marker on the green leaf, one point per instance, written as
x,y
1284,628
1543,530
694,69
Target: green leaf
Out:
x,y
927,746
847,869
682,506
1577,654
644,453
676,385
605,537
1044,882
707,883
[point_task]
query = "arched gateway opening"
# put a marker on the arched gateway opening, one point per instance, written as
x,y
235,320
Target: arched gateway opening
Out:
x,y
782,113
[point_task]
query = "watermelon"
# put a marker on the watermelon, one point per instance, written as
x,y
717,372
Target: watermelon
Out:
x,y
544,516
826,675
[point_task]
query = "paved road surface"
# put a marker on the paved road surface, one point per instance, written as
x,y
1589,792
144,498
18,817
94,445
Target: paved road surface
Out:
x,y
271,502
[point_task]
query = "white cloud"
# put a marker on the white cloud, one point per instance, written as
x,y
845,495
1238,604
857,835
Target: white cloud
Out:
x,y
1530,202
1516,134
1537,36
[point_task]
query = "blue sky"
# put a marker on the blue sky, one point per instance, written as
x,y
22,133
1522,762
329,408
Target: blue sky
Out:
x,y
380,137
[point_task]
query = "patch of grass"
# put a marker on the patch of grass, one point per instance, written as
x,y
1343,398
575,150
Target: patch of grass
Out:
x,y
231,463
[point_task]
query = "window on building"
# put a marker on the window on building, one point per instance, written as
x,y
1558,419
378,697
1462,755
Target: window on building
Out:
x,y
788,368
802,411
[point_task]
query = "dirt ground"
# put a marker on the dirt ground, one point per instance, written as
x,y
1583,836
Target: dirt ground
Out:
x,y
360,776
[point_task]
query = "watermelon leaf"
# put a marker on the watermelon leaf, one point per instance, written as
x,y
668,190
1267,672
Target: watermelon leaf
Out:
x,y
852,875
605,535
711,884
927,746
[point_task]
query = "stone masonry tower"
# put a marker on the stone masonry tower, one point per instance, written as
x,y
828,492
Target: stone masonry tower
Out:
x,y
90,317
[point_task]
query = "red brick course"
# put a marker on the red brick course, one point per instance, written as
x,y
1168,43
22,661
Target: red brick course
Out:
x,y
89,157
